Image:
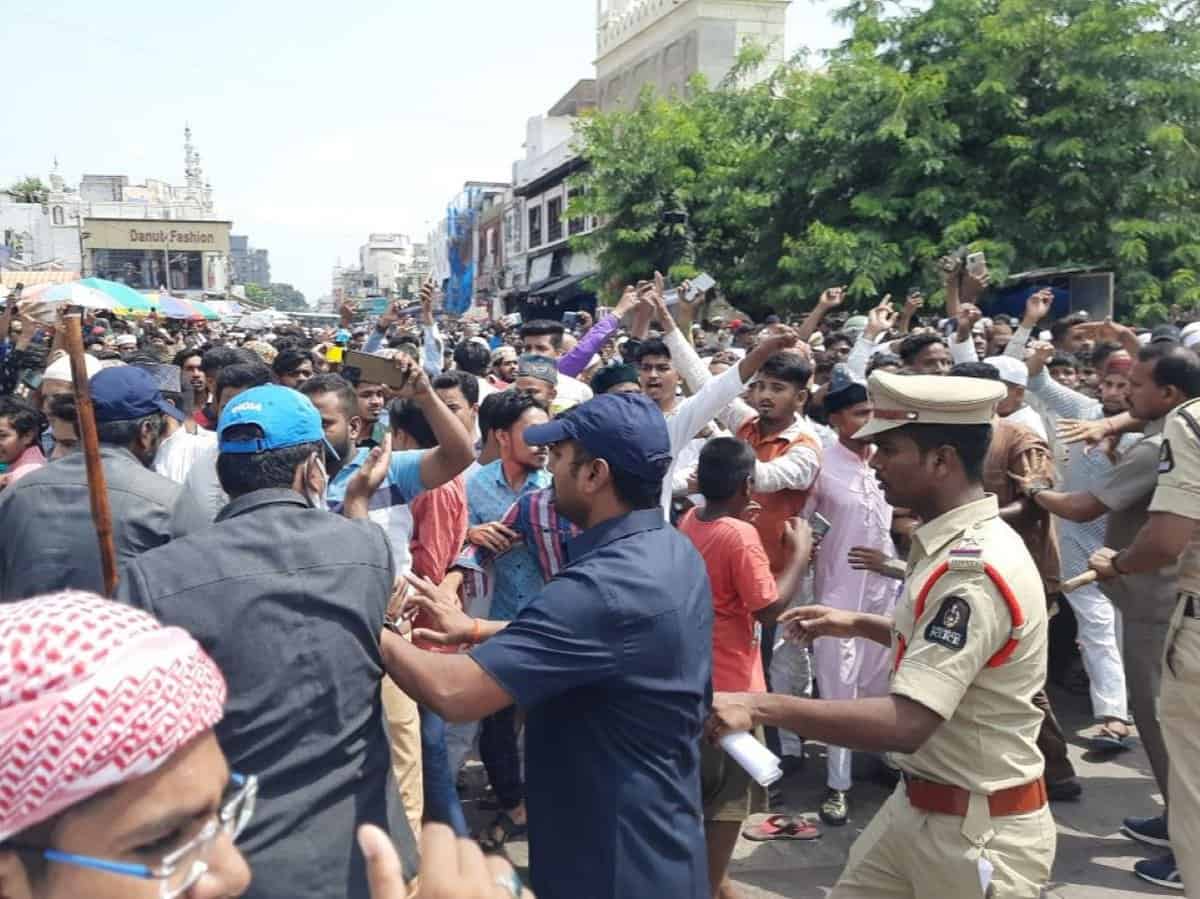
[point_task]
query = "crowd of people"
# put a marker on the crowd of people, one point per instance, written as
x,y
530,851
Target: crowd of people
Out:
x,y
588,554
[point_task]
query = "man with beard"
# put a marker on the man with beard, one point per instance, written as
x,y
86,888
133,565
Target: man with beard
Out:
x,y
504,367
1165,377
969,650
49,541
611,662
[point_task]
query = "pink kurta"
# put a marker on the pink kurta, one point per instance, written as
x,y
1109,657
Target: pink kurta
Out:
x,y
847,494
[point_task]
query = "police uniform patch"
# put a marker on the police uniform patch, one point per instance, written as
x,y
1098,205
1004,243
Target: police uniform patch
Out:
x,y
1166,459
949,626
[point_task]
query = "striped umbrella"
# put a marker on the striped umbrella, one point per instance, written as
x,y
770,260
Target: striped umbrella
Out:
x,y
127,299
72,293
188,310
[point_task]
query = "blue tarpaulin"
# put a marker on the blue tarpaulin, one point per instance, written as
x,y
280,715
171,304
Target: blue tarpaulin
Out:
x,y
460,230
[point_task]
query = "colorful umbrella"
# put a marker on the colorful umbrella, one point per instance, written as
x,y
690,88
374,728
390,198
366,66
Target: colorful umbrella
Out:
x,y
72,293
188,310
126,298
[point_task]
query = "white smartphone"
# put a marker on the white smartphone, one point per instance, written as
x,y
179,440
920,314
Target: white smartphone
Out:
x,y
702,284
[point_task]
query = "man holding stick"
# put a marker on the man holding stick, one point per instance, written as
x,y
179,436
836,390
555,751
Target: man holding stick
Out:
x,y
48,544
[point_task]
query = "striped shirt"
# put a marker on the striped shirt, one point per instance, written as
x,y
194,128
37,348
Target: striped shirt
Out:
x,y
543,531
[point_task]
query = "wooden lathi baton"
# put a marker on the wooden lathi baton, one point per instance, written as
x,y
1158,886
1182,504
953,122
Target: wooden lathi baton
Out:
x,y
97,489
1080,580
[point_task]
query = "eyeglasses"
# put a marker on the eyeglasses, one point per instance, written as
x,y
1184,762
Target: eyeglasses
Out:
x,y
178,872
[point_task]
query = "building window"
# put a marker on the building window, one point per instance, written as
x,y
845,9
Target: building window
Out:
x,y
58,215
578,224
145,269
535,226
554,219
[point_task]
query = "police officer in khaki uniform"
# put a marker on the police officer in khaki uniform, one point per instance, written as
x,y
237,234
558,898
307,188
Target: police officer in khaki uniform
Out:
x,y
1173,532
969,640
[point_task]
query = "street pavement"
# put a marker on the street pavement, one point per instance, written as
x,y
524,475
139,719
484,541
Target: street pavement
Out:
x,y
1093,860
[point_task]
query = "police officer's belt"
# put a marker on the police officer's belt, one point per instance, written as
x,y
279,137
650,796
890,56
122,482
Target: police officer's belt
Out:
x,y
1191,604
947,800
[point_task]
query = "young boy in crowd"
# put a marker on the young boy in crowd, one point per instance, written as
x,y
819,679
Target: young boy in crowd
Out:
x,y
746,595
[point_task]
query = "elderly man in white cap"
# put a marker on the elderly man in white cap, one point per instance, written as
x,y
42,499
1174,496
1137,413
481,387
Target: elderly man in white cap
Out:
x,y
1015,376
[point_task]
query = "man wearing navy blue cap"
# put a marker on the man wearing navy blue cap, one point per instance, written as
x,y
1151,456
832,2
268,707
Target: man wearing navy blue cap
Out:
x,y
289,600
49,540
611,663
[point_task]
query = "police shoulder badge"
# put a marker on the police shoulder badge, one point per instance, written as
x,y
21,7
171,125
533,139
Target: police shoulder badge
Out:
x,y
949,625
1166,459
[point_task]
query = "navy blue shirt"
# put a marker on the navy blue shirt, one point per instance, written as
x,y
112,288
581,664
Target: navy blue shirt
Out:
x,y
612,663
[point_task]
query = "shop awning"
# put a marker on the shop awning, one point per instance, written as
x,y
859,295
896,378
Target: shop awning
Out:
x,y
559,285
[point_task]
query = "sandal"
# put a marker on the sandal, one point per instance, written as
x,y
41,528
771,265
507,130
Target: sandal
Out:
x,y
781,827
1105,739
507,827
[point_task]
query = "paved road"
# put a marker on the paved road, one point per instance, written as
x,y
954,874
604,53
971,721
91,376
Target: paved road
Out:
x,y
1094,860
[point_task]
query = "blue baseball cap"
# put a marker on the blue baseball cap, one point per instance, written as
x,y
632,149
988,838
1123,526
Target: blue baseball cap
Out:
x,y
125,393
624,429
286,417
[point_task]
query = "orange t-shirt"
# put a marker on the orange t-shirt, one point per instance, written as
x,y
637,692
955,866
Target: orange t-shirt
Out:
x,y
742,584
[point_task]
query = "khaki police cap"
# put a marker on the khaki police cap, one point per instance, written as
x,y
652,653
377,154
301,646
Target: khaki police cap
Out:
x,y
901,400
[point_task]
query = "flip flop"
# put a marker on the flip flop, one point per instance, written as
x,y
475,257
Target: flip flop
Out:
x,y
1106,740
781,827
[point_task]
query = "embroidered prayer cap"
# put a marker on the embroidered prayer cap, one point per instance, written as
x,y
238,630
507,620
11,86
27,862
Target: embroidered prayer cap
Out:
x,y
93,693
901,400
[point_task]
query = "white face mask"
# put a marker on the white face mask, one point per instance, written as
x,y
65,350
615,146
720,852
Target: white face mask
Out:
x,y
317,501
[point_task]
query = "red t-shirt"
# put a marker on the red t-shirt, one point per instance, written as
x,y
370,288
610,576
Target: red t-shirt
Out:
x,y
742,584
439,529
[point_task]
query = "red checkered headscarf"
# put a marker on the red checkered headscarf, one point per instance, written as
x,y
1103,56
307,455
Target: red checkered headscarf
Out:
x,y
92,694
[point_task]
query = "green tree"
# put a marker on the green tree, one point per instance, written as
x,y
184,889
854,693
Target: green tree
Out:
x,y
29,189
283,297
286,298
1046,132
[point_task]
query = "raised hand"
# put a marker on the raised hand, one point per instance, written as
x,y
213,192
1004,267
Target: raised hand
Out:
x,y
780,338
968,315
912,303
413,378
832,297
1038,306
427,291
880,319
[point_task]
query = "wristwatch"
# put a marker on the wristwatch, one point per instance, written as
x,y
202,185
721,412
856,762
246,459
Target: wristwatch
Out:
x,y
1035,489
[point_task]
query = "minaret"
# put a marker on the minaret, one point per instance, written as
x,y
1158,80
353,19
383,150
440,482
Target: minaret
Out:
x,y
192,172
56,180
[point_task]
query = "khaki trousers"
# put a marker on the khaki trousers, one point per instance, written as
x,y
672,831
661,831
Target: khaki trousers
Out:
x,y
907,853
1142,654
1179,715
403,721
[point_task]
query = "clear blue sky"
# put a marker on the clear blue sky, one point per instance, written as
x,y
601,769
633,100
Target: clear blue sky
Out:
x,y
316,123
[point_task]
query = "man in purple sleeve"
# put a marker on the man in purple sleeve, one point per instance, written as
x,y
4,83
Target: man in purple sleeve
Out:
x,y
578,359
